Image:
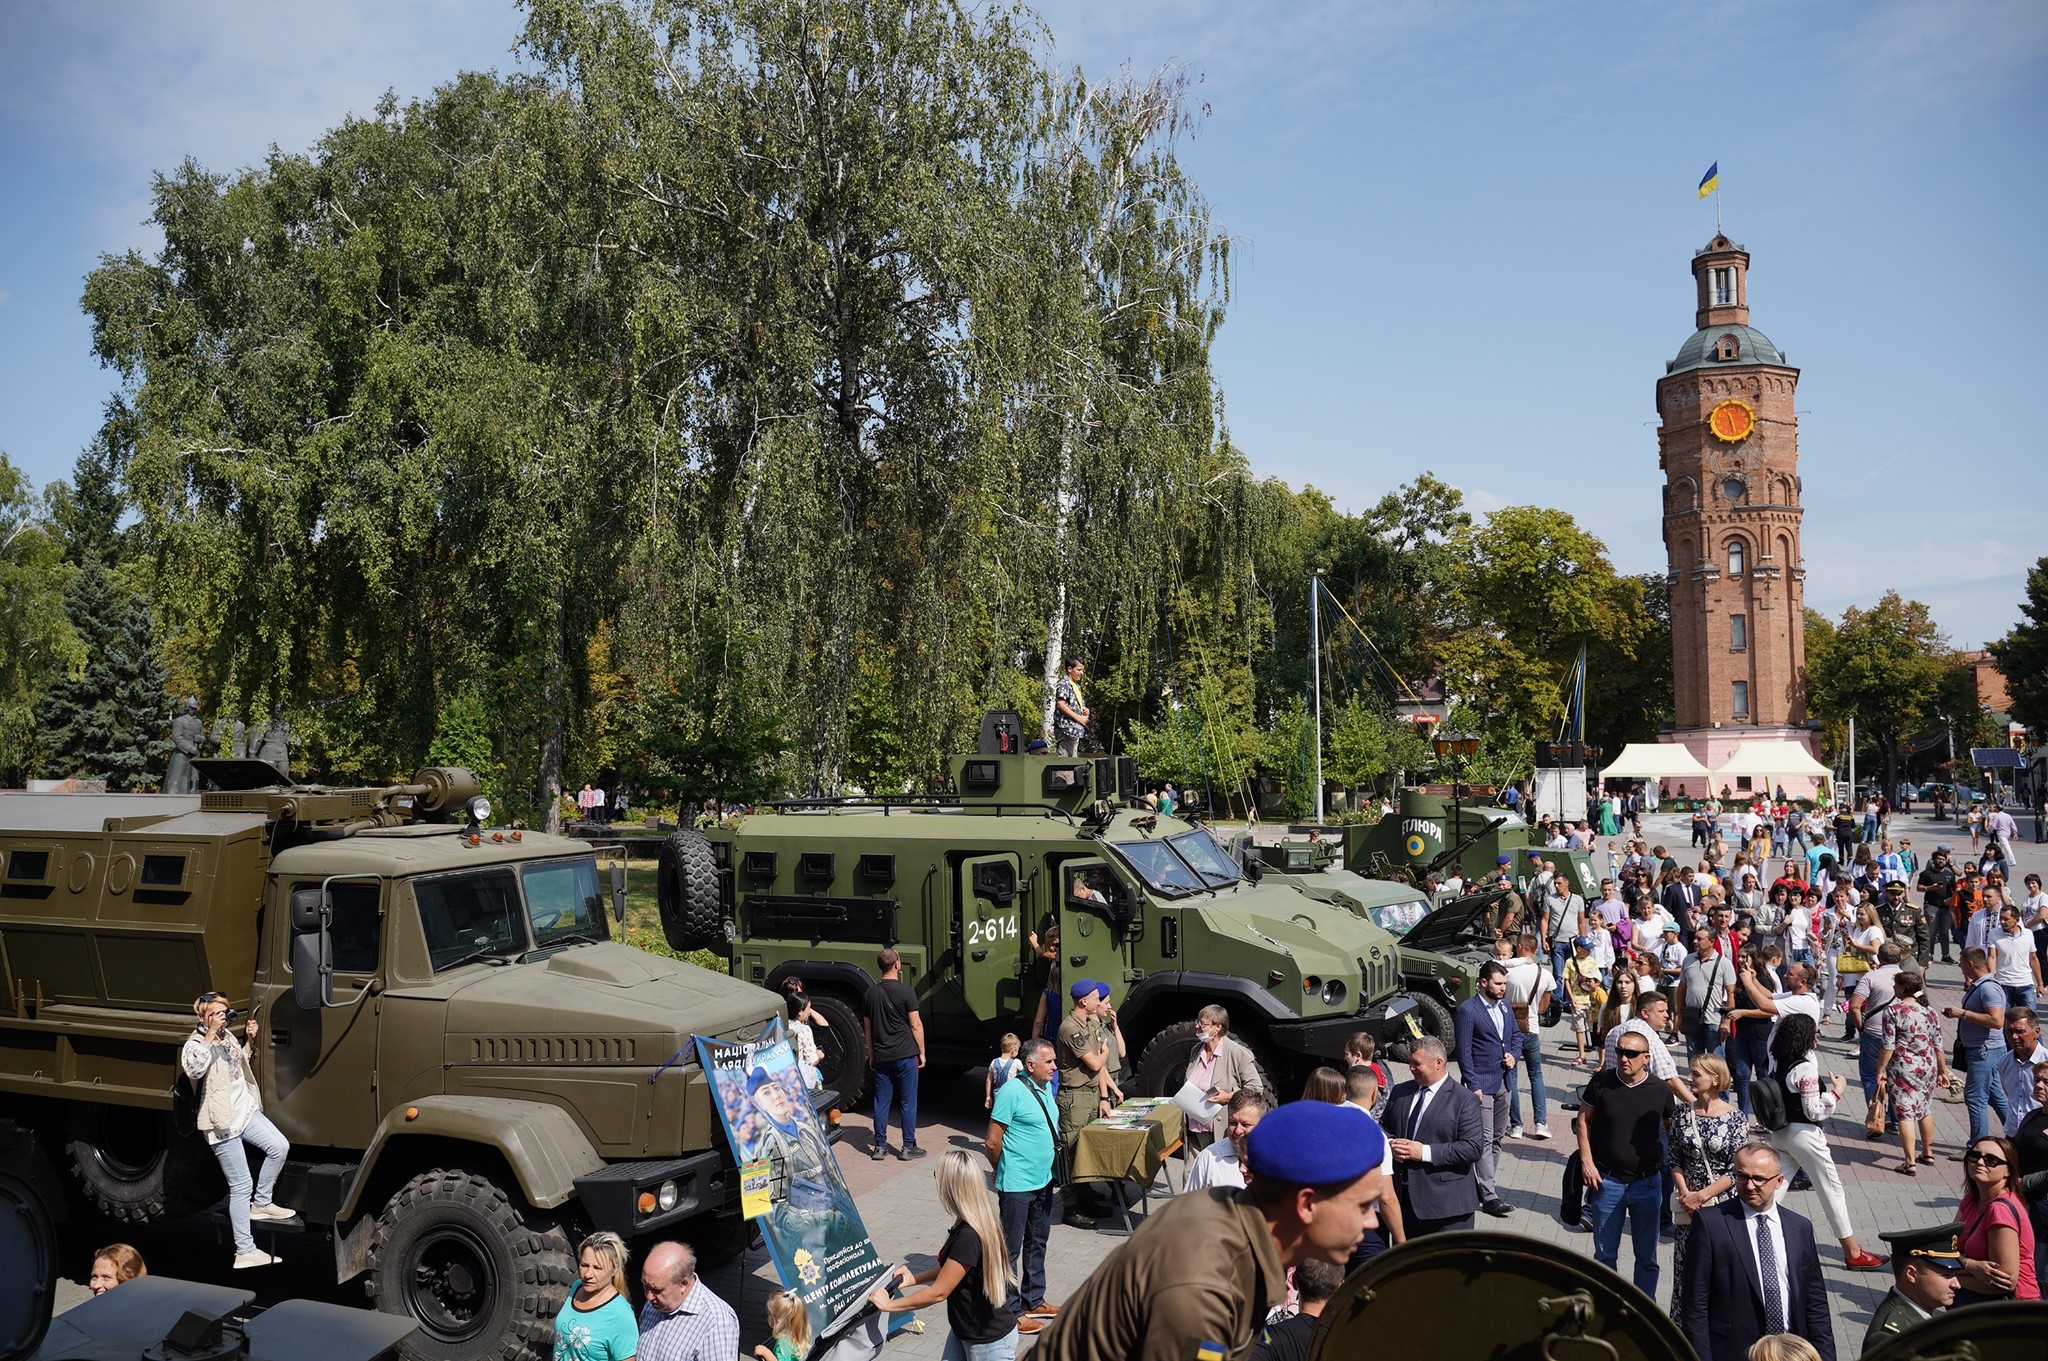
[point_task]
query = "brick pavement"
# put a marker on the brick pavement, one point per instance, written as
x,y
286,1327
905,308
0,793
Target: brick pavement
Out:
x,y
900,1206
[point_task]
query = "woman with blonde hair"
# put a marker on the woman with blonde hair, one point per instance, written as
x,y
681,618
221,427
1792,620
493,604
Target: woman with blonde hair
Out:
x,y
597,1323
1705,1136
972,1274
231,1117
1909,1068
114,1264
1782,1347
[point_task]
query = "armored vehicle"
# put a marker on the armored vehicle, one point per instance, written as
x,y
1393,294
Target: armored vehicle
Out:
x,y
471,1069
1433,831
1441,945
1030,852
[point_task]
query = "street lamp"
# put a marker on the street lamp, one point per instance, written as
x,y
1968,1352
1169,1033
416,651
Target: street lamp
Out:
x,y
1456,748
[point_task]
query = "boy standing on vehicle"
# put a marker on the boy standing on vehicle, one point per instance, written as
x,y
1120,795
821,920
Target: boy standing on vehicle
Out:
x,y
895,1037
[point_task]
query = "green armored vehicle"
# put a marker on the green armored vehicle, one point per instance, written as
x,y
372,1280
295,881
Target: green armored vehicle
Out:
x,y
471,1069
1441,946
1432,831
1025,846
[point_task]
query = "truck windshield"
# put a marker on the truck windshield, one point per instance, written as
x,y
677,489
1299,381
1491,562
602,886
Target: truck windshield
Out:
x,y
1209,860
1162,870
471,916
563,902
1398,919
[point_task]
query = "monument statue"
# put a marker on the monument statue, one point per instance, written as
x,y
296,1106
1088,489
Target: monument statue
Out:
x,y
273,745
230,737
187,735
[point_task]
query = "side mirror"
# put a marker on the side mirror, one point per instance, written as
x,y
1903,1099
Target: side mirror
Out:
x,y
312,955
619,891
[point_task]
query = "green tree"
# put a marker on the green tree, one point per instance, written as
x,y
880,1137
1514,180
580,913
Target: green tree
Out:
x,y
38,644
463,737
1367,742
112,721
2022,654
1882,666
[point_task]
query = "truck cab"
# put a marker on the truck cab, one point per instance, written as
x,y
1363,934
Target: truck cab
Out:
x,y
472,1069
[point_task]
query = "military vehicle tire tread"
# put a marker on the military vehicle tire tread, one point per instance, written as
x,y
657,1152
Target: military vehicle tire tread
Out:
x,y
841,1037
1435,1019
1162,1067
686,890
533,1260
113,1182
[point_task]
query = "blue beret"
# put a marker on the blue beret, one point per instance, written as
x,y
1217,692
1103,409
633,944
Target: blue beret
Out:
x,y
1313,1143
1085,988
1101,988
1502,859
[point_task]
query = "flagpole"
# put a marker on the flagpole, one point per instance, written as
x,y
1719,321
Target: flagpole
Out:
x,y
1717,205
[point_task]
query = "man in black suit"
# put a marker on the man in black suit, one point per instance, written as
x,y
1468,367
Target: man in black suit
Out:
x,y
1751,1269
1682,900
1437,1136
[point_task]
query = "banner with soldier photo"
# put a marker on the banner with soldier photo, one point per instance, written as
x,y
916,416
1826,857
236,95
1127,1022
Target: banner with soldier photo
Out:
x,y
814,1232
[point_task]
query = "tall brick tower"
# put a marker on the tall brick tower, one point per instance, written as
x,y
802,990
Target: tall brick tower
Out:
x,y
1729,448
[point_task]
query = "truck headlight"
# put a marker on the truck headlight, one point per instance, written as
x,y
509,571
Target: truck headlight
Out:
x,y
665,1196
1333,993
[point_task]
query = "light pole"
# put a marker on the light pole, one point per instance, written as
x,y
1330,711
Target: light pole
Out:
x,y
1315,653
1457,748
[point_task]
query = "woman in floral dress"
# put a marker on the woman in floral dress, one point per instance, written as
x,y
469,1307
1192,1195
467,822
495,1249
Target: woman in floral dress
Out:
x,y
1910,1066
1704,1137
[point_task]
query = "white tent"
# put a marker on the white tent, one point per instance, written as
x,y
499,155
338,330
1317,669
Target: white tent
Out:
x,y
1655,761
1772,761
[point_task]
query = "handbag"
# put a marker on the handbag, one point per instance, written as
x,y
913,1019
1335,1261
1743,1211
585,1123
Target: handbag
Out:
x,y
1062,1151
1852,961
1873,1119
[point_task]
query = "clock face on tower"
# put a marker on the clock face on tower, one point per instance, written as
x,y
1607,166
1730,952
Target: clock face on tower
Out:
x,y
1732,422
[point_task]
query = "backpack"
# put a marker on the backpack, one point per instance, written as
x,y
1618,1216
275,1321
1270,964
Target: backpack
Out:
x,y
1769,1105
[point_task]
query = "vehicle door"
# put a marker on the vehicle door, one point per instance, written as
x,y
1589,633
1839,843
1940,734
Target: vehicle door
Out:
x,y
1096,908
988,934
323,1064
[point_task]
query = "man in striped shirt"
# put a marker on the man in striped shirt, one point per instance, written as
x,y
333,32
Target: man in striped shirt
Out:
x,y
682,1320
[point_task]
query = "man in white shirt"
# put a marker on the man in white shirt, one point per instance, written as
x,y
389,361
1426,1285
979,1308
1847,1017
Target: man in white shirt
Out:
x,y
1361,1091
1222,1163
1528,980
1752,1270
2001,828
1797,1000
2023,1049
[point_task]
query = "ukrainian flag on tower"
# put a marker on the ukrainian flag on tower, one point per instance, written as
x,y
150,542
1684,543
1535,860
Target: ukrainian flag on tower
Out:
x,y
1710,181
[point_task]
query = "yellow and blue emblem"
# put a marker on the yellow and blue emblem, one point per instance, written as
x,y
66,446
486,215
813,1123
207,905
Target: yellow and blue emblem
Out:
x,y
1416,845
1710,181
1208,1351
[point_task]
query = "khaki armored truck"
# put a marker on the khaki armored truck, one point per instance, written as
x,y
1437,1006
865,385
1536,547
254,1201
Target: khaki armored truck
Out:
x,y
472,1069
1026,852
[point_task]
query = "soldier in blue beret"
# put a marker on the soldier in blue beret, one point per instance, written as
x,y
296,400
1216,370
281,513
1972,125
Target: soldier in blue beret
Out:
x,y
1200,1275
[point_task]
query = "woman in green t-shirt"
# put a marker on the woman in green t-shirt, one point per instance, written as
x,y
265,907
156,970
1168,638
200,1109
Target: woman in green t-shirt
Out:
x,y
597,1323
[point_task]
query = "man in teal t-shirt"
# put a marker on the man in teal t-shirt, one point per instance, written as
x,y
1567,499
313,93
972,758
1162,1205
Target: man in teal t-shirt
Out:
x,y
1022,1134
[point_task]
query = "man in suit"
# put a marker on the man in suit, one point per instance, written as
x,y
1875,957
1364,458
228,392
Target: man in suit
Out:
x,y
1437,1135
1682,900
1751,1269
1488,1040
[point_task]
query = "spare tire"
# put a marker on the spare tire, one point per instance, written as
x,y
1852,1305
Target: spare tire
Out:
x,y
119,1156
686,889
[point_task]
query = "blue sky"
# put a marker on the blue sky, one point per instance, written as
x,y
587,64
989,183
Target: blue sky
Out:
x,y
1464,232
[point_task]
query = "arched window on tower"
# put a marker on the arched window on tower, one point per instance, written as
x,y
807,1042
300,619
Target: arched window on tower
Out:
x,y
1724,287
1726,347
1735,557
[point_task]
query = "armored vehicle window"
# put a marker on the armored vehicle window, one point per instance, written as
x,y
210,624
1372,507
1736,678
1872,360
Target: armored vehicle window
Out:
x,y
1398,919
1091,884
562,900
28,865
358,926
168,870
466,916
1208,859
1162,870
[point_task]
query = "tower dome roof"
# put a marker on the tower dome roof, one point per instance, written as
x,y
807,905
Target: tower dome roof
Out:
x,y
1702,350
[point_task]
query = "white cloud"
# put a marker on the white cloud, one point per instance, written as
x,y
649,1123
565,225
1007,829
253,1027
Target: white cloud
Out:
x,y
1908,56
132,88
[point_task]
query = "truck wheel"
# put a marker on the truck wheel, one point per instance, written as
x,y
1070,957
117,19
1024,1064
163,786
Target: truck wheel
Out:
x,y
1163,1067
842,1053
483,1283
119,1156
1434,1018
686,889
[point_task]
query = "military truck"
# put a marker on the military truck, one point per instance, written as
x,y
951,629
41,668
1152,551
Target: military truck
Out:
x,y
1441,945
1433,831
963,884
470,1066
